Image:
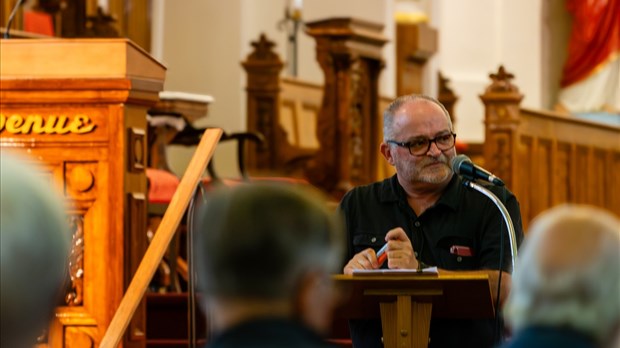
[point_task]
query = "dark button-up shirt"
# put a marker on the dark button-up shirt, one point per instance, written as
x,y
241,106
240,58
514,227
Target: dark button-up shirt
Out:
x,y
462,217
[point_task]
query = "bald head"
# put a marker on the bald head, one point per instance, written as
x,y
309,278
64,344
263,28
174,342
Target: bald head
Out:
x,y
573,237
398,103
569,272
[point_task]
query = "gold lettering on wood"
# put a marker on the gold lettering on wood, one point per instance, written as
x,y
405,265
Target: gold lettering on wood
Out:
x,y
54,124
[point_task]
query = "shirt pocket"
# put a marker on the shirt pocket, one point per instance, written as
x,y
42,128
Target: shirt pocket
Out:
x,y
457,253
364,240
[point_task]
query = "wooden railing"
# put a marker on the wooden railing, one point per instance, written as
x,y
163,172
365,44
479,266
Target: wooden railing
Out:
x,y
162,239
547,158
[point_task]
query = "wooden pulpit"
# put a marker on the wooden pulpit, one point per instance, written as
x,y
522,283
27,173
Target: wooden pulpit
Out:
x,y
77,108
406,302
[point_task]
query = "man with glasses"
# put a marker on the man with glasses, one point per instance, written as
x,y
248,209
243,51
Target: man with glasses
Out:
x,y
428,218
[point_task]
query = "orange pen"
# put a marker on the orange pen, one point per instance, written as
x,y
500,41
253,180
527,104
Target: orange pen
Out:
x,y
382,255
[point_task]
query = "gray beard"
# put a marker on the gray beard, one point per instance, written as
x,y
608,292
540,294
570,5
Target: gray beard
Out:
x,y
434,178
416,175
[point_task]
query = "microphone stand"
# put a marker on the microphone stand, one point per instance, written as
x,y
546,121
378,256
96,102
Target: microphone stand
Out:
x,y
11,18
505,214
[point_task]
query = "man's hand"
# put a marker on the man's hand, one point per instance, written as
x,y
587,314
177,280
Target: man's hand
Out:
x,y
366,259
400,253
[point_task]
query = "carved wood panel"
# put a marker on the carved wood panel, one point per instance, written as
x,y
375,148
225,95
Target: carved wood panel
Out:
x,y
598,186
135,247
525,176
80,337
542,184
562,188
581,163
75,294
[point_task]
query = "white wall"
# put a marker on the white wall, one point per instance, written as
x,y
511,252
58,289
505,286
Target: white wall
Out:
x,y
200,47
264,15
475,38
202,42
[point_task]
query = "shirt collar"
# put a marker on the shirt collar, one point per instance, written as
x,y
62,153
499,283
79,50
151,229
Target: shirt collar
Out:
x,y
450,196
391,191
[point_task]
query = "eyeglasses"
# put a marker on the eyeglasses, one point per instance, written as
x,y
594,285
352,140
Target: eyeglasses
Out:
x,y
420,146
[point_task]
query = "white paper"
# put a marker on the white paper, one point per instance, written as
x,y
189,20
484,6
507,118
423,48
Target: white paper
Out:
x,y
428,270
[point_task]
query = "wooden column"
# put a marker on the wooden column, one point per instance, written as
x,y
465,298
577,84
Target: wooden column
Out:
x,y
78,109
446,96
501,116
415,45
349,52
263,67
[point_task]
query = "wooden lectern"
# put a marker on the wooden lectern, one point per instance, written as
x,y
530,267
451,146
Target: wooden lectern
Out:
x,y
406,302
78,109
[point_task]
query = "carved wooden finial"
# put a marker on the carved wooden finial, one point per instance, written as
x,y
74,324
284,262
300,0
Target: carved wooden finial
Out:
x,y
501,82
263,50
444,87
446,95
101,25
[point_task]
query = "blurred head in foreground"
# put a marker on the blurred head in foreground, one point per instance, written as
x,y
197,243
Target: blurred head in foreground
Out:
x,y
34,244
267,250
568,273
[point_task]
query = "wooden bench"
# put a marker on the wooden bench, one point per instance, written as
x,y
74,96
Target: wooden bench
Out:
x,y
549,158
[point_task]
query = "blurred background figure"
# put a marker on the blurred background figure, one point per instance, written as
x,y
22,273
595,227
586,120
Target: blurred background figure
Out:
x,y
34,245
566,288
264,255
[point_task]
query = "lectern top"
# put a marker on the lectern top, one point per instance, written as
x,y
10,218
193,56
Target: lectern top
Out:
x,y
454,295
76,58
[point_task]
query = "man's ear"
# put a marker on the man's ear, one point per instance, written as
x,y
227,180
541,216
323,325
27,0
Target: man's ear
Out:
x,y
386,151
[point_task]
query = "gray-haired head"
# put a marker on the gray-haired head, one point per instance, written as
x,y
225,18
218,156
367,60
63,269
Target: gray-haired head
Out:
x,y
34,243
568,272
390,111
255,241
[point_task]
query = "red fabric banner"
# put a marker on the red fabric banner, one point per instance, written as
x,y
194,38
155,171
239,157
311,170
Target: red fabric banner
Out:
x,y
595,37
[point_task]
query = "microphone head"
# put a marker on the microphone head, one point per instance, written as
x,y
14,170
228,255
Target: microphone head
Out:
x,y
457,161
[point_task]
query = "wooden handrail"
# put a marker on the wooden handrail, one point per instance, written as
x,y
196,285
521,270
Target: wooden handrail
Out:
x,y
163,235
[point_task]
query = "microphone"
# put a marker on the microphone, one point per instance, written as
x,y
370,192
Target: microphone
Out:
x,y
11,18
462,165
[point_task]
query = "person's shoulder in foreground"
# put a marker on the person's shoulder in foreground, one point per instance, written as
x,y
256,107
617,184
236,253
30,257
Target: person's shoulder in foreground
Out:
x,y
265,253
566,284
270,332
34,245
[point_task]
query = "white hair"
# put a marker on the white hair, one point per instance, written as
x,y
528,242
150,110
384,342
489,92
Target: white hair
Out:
x,y
584,294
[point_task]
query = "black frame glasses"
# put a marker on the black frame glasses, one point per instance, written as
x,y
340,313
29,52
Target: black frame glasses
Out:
x,y
415,147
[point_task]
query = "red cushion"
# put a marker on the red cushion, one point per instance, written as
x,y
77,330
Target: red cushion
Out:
x,y
162,185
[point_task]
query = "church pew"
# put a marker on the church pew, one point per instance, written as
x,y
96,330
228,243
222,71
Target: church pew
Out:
x,y
547,158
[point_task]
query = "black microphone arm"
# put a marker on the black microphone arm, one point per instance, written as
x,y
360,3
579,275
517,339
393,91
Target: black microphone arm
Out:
x,y
11,18
505,214
462,165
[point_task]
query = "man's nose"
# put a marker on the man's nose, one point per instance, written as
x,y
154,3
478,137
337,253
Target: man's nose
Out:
x,y
433,150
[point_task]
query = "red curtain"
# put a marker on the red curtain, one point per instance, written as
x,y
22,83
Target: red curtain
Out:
x,y
594,38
